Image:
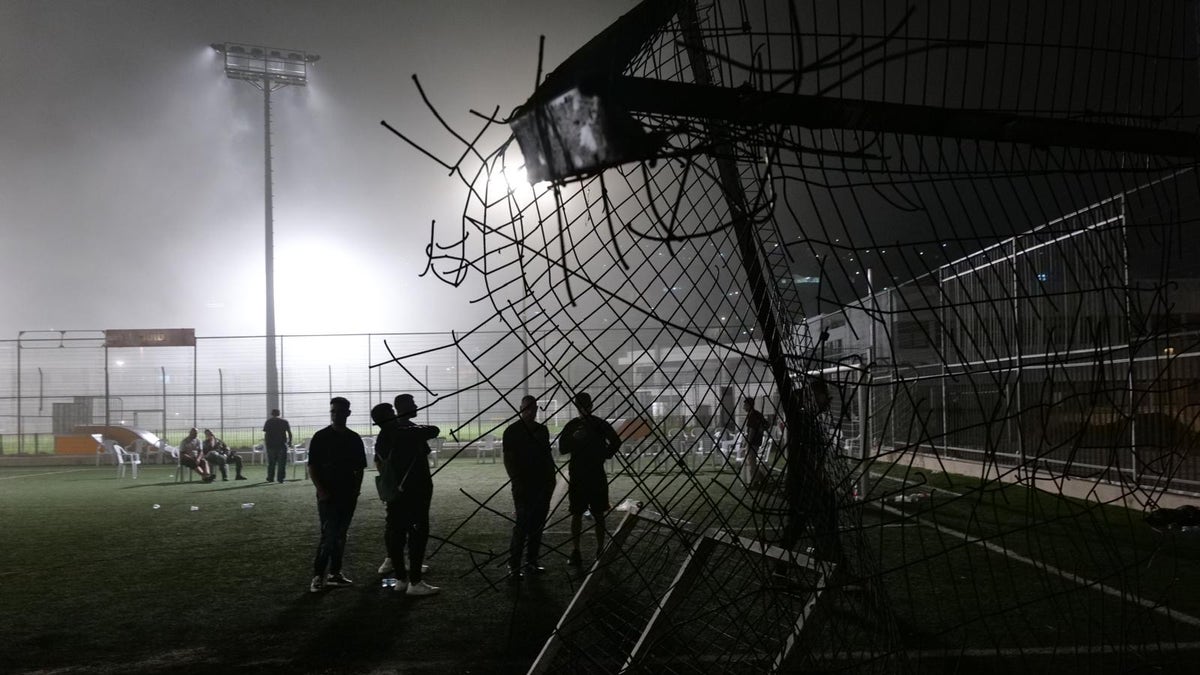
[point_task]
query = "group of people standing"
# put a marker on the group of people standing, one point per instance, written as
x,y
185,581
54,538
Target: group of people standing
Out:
x,y
337,461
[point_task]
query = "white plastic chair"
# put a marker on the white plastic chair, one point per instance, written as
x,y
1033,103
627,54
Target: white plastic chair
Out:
x,y
299,454
729,446
173,452
124,458
435,447
486,448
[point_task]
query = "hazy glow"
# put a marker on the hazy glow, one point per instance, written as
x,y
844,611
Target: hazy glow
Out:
x,y
321,286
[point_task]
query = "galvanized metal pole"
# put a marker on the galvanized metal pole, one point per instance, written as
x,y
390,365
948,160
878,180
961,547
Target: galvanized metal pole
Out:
x,y
20,419
272,374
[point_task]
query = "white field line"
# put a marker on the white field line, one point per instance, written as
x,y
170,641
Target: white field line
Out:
x,y
48,473
1070,576
1063,650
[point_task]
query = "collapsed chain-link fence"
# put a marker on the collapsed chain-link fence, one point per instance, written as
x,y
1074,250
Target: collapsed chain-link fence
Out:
x,y
969,218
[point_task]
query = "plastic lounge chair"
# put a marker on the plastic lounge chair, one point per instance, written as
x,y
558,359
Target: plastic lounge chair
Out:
x,y
124,458
486,447
299,453
173,452
435,447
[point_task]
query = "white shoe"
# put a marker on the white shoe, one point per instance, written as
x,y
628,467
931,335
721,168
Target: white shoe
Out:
x,y
421,588
386,566
401,586
317,584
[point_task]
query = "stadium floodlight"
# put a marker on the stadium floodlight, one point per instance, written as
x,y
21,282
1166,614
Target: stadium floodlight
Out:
x,y
268,70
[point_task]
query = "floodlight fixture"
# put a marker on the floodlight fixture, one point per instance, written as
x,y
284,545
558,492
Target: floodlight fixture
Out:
x,y
267,70
258,65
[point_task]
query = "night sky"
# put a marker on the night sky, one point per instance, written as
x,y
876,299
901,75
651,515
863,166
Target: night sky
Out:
x,y
131,183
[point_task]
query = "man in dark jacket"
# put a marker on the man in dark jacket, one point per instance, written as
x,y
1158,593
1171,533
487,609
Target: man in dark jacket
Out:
x,y
530,466
589,441
336,460
402,455
217,454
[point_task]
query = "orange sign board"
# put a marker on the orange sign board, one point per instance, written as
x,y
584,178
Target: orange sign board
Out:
x,y
151,337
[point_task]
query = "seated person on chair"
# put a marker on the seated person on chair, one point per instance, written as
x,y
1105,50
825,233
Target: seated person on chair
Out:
x,y
191,455
218,454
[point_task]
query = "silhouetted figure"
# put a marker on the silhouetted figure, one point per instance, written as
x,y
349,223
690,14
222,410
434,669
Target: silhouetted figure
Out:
x,y
754,428
191,455
589,441
277,438
810,496
530,466
402,456
217,454
336,460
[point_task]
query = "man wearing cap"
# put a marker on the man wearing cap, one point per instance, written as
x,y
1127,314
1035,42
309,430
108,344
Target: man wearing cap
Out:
x,y
589,441
530,466
336,460
402,456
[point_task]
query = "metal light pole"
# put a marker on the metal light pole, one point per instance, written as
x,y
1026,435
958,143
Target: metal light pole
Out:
x,y
267,70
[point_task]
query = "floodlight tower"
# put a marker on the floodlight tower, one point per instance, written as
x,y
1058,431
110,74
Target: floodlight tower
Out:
x,y
267,70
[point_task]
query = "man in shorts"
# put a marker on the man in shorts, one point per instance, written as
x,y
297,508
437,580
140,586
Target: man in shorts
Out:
x,y
191,456
589,441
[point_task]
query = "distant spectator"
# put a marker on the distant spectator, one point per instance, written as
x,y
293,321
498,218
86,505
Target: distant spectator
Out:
x,y
754,429
191,455
277,438
216,453
590,441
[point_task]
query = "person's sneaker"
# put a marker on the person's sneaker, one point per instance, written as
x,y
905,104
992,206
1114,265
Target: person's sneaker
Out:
x,y
576,560
421,588
534,568
401,586
317,585
240,478
338,579
209,479
514,574
386,566
281,481
225,478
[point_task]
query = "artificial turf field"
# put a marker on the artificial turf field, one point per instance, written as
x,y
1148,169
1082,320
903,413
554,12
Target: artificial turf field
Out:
x,y
95,579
